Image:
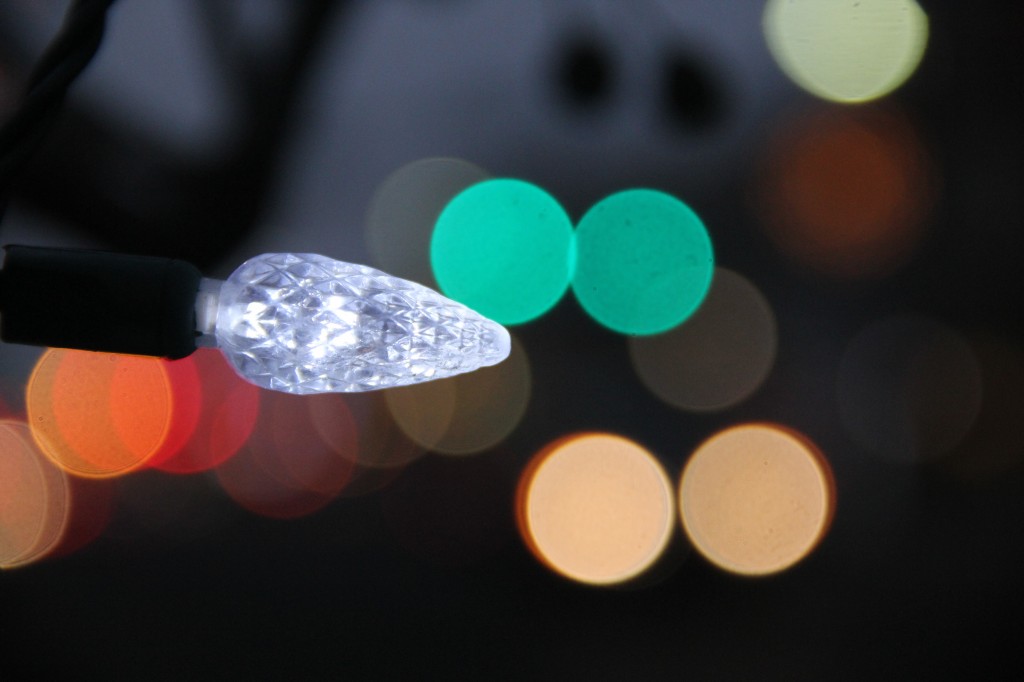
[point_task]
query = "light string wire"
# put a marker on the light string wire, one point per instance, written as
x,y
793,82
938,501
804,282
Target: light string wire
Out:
x,y
67,56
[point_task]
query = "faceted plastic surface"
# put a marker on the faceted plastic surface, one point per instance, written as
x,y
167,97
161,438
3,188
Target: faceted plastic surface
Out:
x,y
303,323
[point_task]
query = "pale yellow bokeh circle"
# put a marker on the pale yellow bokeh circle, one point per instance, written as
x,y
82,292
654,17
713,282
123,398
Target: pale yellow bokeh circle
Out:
x,y
596,508
467,413
756,498
423,411
401,216
846,51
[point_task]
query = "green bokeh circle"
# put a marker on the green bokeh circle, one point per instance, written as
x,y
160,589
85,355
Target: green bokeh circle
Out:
x,y
644,262
505,249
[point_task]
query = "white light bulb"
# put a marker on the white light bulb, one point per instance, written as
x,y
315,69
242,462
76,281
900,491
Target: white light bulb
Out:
x,y
303,323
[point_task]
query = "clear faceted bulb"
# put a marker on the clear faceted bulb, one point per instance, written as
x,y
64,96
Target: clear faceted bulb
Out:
x,y
304,323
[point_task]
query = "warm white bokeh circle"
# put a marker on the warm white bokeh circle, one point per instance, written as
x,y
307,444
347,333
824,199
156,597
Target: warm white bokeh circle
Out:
x,y
596,508
755,499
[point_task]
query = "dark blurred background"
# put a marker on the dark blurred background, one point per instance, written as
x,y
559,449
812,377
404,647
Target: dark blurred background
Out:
x,y
883,236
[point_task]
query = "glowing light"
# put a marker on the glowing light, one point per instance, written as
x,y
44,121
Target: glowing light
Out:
x,y
136,380
755,499
227,409
909,388
846,193
644,262
719,357
99,415
504,247
130,384
405,208
286,469
33,498
846,51
304,323
469,413
596,508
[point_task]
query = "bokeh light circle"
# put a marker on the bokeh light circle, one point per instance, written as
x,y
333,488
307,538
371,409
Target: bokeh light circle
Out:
x,y
644,262
182,376
230,408
909,388
405,208
288,468
846,51
504,248
100,415
382,444
596,508
34,498
423,411
719,357
755,499
846,193
467,413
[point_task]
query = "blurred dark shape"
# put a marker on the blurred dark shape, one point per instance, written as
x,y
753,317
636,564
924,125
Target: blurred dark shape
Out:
x,y
693,100
909,389
585,72
69,53
92,503
137,196
162,511
994,447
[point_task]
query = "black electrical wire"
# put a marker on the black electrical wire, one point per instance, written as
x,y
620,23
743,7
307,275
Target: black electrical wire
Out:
x,y
64,60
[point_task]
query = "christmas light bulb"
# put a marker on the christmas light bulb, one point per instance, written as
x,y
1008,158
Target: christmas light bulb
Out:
x,y
304,323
